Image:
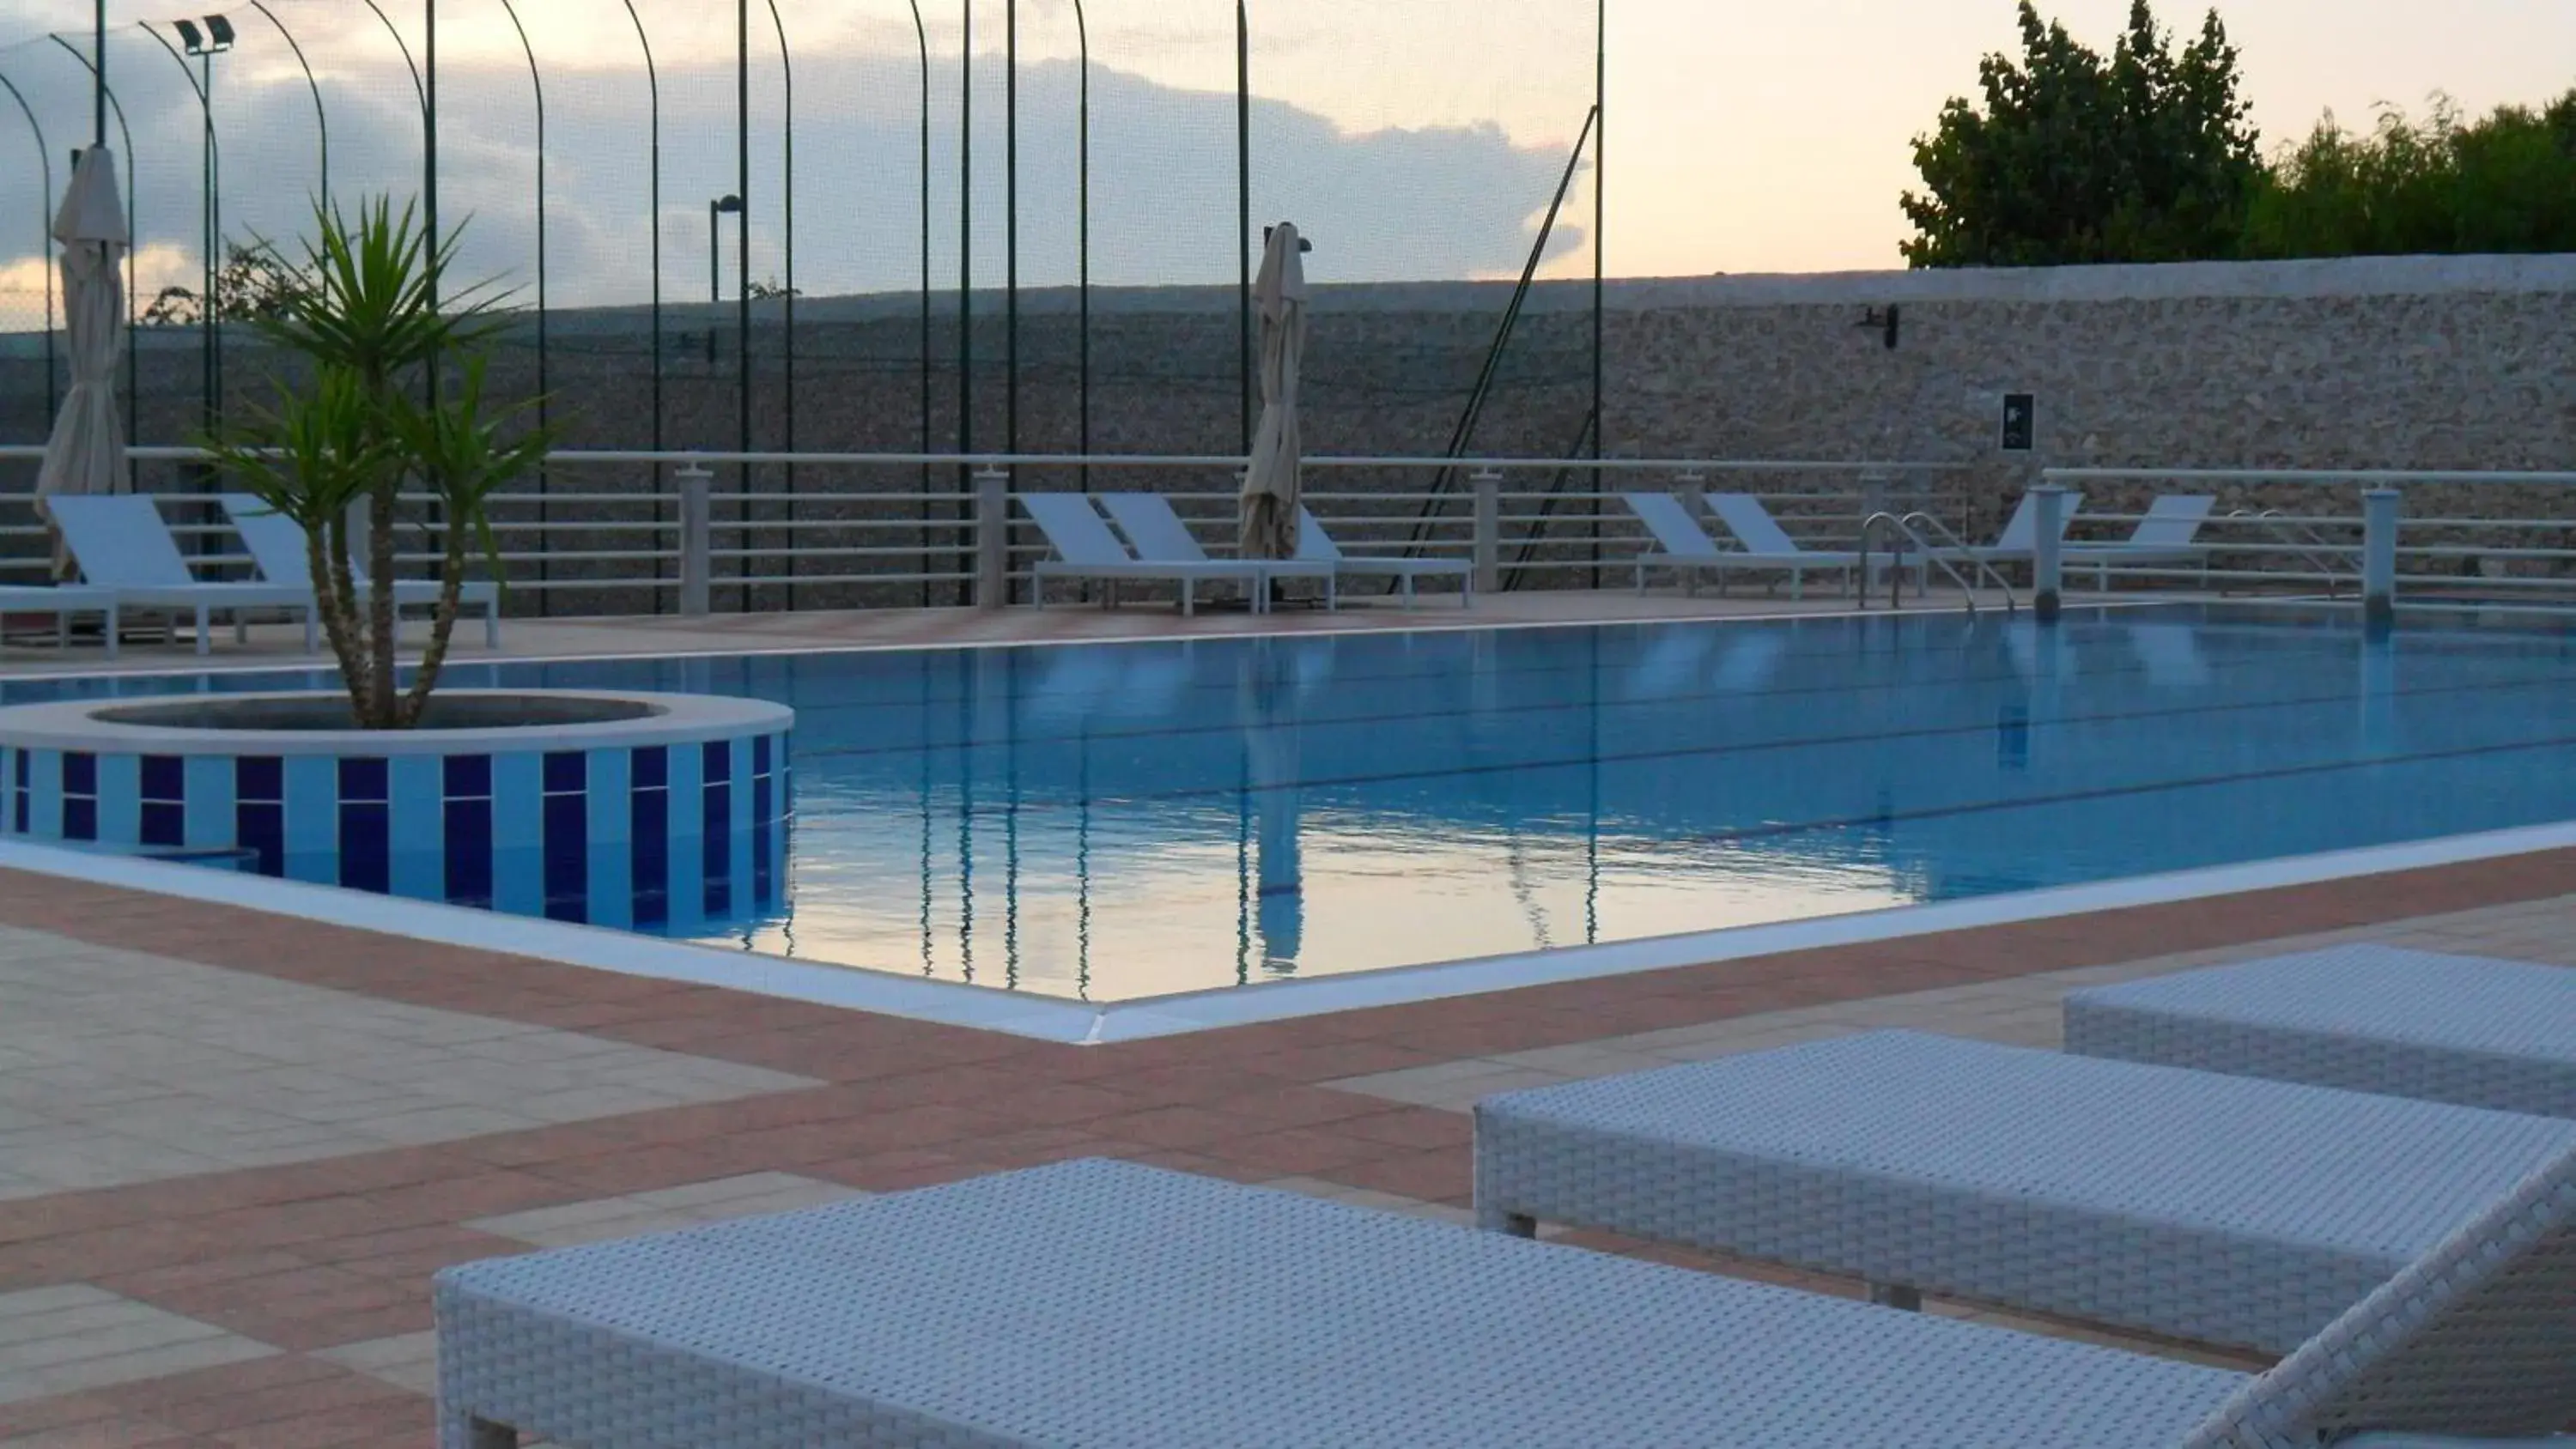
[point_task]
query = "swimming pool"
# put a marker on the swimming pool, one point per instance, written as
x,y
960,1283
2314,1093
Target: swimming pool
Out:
x,y
1120,822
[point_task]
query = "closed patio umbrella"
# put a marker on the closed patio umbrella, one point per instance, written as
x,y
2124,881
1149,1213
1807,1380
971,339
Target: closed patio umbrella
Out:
x,y
1271,484
86,453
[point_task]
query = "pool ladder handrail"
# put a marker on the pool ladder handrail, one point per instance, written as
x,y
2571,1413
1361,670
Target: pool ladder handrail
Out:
x,y
2310,547
1905,528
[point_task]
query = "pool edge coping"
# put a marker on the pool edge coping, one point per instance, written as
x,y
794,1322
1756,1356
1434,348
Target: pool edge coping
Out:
x,y
1069,1022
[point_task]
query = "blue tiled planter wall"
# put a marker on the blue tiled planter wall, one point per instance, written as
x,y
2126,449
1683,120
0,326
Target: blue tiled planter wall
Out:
x,y
683,838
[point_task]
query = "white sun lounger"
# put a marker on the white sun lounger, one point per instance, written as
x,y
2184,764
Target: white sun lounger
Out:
x,y
1314,545
2019,542
2170,533
2210,1208
1121,1307
1086,549
62,603
1161,537
1685,548
2463,1029
123,545
276,544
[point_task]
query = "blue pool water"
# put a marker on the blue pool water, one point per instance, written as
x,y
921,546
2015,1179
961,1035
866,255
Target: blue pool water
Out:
x,y
1117,822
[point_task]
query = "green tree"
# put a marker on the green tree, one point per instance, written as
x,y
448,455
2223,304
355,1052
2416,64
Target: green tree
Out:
x,y
2506,183
360,430
254,282
2144,156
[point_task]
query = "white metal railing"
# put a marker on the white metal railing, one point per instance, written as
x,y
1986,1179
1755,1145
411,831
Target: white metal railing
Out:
x,y
618,531
2438,558
647,532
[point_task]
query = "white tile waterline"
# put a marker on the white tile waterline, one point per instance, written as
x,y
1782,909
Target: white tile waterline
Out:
x,y
1083,1023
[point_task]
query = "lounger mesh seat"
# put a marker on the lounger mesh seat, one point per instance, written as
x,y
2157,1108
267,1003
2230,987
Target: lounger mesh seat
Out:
x,y
1316,545
1685,548
1161,537
123,545
277,545
61,604
2463,1029
1119,1307
2211,1208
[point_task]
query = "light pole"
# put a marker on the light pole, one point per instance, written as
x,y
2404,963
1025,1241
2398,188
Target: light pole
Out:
x,y
201,41
98,76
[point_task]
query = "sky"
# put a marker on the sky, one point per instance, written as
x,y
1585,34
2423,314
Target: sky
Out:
x,y
1409,138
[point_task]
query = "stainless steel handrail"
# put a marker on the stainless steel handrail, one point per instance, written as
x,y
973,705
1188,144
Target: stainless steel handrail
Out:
x,y
1985,566
1903,528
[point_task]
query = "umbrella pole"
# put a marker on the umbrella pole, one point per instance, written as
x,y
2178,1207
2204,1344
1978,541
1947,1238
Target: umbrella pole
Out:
x,y
99,98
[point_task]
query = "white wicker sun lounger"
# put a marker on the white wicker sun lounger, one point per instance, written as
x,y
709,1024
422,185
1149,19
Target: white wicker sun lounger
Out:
x,y
1314,545
276,544
123,545
2464,1029
2216,1209
1119,1307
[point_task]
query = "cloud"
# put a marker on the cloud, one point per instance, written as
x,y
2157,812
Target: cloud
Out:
x,y
1388,204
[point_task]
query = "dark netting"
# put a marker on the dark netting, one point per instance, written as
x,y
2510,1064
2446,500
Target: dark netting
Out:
x,y
592,145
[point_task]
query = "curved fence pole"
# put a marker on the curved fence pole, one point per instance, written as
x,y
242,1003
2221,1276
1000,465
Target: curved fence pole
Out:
x,y
134,234
1243,205
321,114
45,236
419,91
1011,230
921,33
787,179
209,301
545,380
965,283
1082,233
653,80
742,299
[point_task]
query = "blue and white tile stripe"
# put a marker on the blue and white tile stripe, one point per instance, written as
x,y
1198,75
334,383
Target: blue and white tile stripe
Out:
x,y
649,836
674,826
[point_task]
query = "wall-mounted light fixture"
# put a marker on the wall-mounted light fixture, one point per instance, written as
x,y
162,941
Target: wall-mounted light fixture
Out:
x,y
1888,321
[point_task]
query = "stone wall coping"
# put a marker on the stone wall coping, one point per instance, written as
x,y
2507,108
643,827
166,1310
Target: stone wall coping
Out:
x,y
675,719
2341,277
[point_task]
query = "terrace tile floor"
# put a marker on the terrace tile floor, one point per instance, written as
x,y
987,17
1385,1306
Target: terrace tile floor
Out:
x,y
231,1298
235,1147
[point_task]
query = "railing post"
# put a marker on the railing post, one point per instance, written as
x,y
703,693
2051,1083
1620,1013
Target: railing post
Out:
x,y
1489,531
2379,513
2048,566
697,549
1875,499
992,538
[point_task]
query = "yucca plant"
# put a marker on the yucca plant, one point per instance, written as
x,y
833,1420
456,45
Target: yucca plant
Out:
x,y
391,401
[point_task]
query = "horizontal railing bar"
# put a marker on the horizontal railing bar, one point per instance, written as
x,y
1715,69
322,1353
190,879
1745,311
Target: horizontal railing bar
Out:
x,y
583,457
2303,475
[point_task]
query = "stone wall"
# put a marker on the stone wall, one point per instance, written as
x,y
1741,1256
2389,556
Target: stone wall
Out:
x,y
2430,363
2408,363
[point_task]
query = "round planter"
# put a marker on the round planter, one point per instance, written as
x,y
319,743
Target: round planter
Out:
x,y
635,811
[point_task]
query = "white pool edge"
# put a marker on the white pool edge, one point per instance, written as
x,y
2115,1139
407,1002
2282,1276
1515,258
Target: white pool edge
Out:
x,y
1051,1019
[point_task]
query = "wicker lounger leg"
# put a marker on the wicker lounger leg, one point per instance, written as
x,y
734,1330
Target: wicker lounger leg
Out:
x,y
1893,1295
